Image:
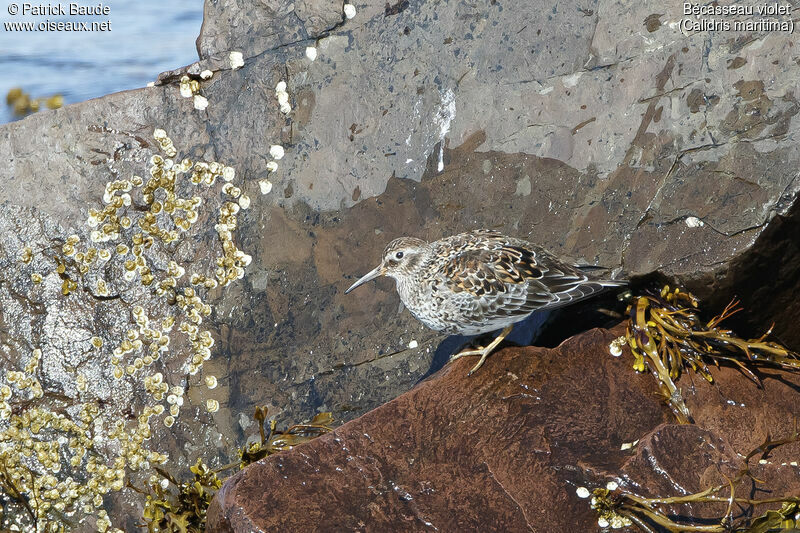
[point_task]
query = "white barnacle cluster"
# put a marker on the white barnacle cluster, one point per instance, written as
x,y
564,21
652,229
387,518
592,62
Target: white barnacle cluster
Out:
x,y
166,146
231,265
349,10
235,192
283,97
25,382
191,88
600,502
108,222
26,255
156,340
615,348
73,457
276,151
58,455
614,521
236,60
68,249
175,401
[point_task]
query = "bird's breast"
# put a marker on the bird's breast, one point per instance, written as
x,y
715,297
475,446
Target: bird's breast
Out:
x,y
423,300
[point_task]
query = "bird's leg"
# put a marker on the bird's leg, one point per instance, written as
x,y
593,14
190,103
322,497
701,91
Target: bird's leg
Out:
x,y
484,352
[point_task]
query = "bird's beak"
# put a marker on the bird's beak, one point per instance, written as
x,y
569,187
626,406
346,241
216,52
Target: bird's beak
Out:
x,y
372,274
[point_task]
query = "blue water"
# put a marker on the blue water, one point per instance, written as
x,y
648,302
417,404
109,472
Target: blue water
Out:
x,y
147,37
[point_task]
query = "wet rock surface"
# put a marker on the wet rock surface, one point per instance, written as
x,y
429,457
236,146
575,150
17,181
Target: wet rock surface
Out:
x,y
597,130
500,450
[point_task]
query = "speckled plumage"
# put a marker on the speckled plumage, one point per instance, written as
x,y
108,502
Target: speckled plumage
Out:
x,y
480,281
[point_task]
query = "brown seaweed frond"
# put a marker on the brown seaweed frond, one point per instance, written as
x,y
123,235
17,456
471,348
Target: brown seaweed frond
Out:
x,y
667,336
273,441
618,506
176,506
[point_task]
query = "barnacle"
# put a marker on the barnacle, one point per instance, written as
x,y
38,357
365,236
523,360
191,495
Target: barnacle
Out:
x,y
26,255
161,214
276,151
200,102
236,60
212,406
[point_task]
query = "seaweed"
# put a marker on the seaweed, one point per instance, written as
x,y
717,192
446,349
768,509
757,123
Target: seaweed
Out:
x,y
22,104
620,507
273,441
184,512
175,506
667,337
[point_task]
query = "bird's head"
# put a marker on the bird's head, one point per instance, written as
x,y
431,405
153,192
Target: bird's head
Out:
x,y
401,258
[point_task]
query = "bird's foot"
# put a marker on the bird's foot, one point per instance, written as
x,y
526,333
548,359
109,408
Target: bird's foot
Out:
x,y
483,352
478,351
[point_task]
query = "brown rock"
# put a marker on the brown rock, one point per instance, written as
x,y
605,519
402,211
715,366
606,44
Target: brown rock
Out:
x,y
500,450
497,450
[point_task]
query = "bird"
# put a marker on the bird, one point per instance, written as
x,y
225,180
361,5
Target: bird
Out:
x,y
479,282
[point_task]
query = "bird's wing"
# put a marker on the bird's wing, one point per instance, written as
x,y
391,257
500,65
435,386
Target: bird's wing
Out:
x,y
514,278
497,280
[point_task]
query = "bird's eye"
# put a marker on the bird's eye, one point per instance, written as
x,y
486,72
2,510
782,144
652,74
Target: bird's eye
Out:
x,y
399,255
